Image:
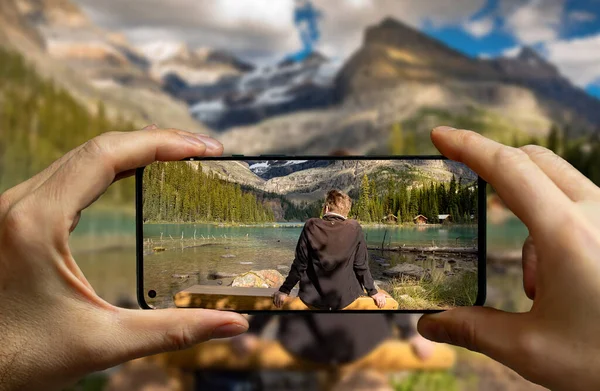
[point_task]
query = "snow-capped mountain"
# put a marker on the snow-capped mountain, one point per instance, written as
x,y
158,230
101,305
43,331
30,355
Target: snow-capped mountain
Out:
x,y
264,92
268,169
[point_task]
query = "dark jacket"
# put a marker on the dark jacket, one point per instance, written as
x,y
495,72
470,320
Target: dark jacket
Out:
x,y
331,264
334,338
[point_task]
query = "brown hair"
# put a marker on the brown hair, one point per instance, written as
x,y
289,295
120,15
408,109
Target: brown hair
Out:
x,y
338,202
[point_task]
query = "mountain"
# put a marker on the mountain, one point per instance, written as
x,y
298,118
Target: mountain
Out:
x,y
265,92
309,180
94,65
400,76
201,66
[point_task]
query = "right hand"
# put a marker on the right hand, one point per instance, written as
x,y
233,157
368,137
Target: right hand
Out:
x,y
244,345
379,299
279,298
556,343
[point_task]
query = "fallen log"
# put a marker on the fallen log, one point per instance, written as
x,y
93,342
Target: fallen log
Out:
x,y
456,250
248,299
390,356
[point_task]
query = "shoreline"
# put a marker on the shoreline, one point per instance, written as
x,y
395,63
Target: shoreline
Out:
x,y
294,224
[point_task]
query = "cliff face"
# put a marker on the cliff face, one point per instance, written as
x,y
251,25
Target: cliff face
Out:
x,y
94,65
394,54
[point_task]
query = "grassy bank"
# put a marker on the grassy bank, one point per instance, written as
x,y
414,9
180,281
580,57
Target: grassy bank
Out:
x,y
436,293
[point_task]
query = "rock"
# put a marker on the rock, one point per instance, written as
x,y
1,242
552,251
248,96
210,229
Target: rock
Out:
x,y
379,259
385,264
219,282
228,256
448,273
283,267
221,275
452,261
406,270
246,263
259,279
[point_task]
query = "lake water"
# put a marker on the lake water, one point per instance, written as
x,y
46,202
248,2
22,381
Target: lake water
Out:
x,y
104,247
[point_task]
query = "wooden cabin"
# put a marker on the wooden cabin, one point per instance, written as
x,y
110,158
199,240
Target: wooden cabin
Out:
x,y
445,219
420,220
390,219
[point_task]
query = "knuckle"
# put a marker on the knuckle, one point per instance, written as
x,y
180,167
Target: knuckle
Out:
x,y
536,150
16,224
509,155
96,146
179,338
5,202
469,137
467,335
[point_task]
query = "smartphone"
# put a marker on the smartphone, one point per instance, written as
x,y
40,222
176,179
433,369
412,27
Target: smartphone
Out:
x,y
310,233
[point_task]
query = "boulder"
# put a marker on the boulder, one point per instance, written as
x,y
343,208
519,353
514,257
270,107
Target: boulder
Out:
x,y
259,279
406,270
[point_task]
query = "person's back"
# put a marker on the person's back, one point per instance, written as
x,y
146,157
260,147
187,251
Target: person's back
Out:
x,y
336,267
331,262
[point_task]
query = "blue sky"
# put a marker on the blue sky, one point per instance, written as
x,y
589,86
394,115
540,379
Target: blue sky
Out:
x,y
566,35
566,32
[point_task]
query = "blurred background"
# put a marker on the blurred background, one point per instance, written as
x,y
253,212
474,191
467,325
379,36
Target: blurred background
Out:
x,y
304,77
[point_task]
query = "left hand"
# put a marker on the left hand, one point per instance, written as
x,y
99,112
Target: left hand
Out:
x,y
379,299
279,298
54,327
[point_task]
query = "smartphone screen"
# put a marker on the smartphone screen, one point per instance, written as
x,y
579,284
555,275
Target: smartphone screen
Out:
x,y
311,234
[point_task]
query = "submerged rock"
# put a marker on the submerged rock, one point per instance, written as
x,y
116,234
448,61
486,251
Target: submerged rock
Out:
x,y
221,275
406,270
259,279
228,256
246,263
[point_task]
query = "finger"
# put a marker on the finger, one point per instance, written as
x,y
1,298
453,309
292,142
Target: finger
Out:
x,y
142,333
34,182
573,183
520,183
89,173
480,329
529,267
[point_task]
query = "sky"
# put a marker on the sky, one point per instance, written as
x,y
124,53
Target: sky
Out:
x,y
566,32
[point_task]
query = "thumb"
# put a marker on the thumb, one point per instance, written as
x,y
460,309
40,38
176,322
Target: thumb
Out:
x,y
142,333
480,329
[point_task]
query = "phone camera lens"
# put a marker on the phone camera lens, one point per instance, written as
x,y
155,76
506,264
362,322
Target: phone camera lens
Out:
x,y
152,294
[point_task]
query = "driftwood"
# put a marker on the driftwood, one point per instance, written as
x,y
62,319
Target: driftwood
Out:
x,y
457,250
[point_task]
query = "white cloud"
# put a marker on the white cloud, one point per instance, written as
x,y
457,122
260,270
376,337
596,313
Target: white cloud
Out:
x,y
479,28
256,28
581,16
578,59
534,21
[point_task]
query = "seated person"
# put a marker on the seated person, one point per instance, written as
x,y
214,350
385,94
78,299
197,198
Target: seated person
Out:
x,y
331,261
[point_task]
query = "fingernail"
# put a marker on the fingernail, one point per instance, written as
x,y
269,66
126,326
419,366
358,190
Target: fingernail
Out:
x,y
150,127
210,142
443,128
228,330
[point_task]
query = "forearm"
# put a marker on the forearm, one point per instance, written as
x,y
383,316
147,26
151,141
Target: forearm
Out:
x,y
292,279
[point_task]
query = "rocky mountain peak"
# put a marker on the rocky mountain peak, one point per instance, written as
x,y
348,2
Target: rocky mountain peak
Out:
x,y
62,13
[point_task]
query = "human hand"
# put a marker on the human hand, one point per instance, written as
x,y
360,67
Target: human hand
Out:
x,y
279,298
423,348
379,299
55,329
556,343
244,345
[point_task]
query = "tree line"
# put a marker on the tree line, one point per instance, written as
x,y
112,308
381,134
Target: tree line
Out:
x,y
180,192
405,201
39,122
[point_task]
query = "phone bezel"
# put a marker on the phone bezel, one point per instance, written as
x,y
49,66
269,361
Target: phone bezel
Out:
x,y
481,230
